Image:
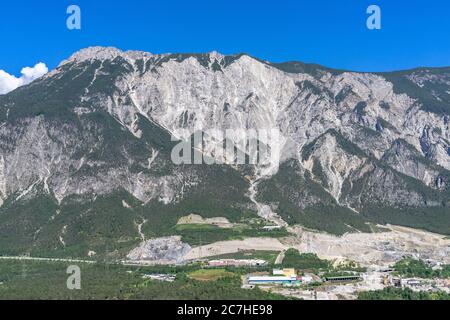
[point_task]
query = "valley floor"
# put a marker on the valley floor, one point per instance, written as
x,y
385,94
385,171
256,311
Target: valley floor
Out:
x,y
45,278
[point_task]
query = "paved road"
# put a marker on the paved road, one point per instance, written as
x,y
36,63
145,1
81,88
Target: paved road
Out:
x,y
280,258
47,259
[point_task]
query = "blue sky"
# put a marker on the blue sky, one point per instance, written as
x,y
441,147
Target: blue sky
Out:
x,y
329,32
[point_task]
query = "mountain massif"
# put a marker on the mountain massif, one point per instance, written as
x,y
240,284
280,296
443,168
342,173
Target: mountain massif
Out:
x,y
85,151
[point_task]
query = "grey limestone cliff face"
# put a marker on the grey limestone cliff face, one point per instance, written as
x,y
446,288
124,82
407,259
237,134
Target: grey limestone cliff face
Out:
x,y
103,120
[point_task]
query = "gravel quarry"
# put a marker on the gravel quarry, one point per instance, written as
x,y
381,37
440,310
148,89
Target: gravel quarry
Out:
x,y
234,246
167,250
367,249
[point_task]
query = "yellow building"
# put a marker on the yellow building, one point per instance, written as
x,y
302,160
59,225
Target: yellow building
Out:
x,y
290,272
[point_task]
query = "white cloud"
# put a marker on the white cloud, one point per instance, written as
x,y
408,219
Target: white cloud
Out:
x,y
9,82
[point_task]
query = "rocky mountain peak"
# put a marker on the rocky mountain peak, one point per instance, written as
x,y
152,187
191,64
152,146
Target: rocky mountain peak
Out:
x,y
104,53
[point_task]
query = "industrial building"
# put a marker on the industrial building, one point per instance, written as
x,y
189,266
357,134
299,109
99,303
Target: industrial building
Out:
x,y
282,277
273,280
160,277
347,278
237,263
285,272
307,279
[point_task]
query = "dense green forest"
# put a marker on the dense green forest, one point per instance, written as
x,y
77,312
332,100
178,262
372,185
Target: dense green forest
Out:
x,y
304,261
45,280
